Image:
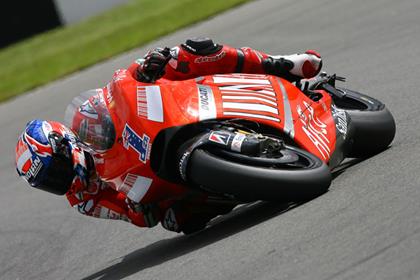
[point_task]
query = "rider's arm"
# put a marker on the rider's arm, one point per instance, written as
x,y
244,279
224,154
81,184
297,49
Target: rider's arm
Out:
x,y
186,63
106,203
199,57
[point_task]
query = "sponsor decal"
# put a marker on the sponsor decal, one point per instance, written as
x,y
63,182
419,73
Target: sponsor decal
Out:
x,y
314,129
106,213
248,96
173,62
127,184
119,75
237,142
114,215
174,52
135,186
204,59
288,126
87,110
340,120
169,221
139,144
85,207
34,169
182,165
206,103
149,103
220,137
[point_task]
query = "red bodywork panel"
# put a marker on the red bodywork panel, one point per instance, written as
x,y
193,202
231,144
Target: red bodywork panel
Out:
x,y
140,111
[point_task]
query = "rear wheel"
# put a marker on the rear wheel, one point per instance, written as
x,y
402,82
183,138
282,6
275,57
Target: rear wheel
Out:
x,y
291,174
372,123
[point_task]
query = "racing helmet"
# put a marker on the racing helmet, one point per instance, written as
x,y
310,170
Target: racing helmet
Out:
x,y
48,157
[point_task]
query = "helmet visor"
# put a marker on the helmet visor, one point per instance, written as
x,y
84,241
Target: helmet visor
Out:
x,y
58,177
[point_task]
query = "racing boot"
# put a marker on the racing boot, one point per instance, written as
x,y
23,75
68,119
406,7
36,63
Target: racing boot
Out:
x,y
294,67
190,218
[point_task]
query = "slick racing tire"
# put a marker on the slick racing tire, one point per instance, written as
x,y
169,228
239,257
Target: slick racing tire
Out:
x,y
249,178
373,125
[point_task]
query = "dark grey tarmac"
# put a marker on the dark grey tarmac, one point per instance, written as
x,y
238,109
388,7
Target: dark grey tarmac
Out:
x,y
366,227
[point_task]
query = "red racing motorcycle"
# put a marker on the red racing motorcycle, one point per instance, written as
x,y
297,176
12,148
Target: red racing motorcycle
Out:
x,y
237,137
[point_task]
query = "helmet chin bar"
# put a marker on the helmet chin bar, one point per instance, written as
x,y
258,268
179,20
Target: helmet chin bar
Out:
x,y
58,177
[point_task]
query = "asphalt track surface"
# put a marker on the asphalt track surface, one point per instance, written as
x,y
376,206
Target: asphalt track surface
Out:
x,y
366,227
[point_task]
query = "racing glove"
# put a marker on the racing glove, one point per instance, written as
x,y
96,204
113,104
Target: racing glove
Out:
x,y
153,67
294,67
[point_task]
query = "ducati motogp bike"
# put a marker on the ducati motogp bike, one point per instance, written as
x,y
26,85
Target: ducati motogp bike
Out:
x,y
237,137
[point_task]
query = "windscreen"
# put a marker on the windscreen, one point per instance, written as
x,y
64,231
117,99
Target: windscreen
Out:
x,y
89,117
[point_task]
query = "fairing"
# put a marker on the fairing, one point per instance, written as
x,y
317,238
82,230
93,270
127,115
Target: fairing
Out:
x,y
140,111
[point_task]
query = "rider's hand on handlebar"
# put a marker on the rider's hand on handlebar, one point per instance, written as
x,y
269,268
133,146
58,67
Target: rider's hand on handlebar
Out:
x,y
153,67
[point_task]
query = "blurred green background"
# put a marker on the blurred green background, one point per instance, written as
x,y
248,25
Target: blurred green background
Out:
x,y
53,54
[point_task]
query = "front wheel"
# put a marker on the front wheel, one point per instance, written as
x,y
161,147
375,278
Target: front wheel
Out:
x,y
291,175
373,124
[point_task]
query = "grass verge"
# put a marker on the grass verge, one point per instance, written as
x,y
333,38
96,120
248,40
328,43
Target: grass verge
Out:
x,y
53,54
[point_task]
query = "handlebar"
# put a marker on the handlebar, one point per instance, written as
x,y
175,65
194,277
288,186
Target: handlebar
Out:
x,y
325,82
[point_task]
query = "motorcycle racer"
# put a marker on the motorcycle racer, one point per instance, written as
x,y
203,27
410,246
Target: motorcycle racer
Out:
x,y
54,158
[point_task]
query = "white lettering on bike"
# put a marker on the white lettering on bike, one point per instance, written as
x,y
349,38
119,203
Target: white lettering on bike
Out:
x,y
206,103
341,120
149,103
314,129
119,75
109,97
137,186
237,142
